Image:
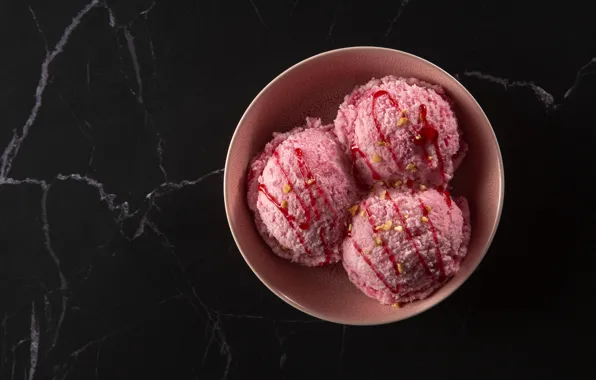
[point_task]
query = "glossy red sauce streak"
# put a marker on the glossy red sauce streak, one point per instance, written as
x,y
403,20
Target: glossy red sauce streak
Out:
x,y
307,174
356,151
384,245
394,102
410,237
435,238
429,134
306,224
374,269
291,220
446,195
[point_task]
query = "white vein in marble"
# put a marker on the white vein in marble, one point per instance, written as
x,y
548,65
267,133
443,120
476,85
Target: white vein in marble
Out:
x,y
400,10
12,149
130,43
258,13
54,256
582,73
542,95
34,346
41,33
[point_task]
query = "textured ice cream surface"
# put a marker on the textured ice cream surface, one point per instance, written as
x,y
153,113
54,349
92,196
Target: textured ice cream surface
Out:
x,y
300,189
404,245
398,128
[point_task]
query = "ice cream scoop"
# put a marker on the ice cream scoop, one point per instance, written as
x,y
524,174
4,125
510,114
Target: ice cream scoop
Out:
x,y
397,129
405,243
300,190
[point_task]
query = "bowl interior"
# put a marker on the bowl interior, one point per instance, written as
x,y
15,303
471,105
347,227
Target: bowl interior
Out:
x,y
316,87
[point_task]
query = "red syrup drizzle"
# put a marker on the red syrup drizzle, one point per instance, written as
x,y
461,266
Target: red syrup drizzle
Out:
x,y
369,263
291,220
384,244
307,174
435,238
328,253
429,134
306,224
309,181
410,237
377,95
356,151
446,195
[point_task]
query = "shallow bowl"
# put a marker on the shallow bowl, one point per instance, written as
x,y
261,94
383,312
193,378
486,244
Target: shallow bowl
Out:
x,y
316,87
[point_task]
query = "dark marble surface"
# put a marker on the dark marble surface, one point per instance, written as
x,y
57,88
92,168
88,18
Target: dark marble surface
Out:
x,y
116,261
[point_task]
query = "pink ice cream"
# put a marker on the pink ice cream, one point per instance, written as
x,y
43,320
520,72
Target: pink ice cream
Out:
x,y
405,244
300,190
397,129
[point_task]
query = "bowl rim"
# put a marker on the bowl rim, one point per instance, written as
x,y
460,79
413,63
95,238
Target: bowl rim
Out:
x,y
487,244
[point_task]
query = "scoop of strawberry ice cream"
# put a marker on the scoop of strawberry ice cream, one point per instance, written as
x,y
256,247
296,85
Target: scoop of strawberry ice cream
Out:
x,y
404,245
398,129
300,190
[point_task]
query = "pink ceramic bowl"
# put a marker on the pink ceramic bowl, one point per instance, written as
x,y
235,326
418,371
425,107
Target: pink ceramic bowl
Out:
x,y
316,87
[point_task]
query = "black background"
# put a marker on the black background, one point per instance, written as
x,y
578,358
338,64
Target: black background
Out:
x,y
138,276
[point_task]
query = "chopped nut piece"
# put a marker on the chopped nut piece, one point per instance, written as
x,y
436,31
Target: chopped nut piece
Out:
x,y
428,208
400,268
397,183
310,181
376,158
411,167
354,210
417,137
383,194
424,219
284,204
422,187
378,241
287,188
362,213
350,228
395,305
429,158
406,216
399,228
402,121
387,225
381,143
